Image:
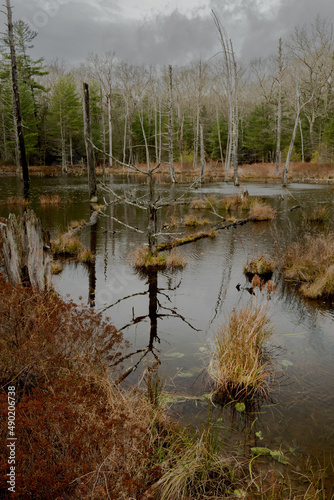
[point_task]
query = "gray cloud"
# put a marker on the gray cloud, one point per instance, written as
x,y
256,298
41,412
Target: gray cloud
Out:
x,y
255,30
71,29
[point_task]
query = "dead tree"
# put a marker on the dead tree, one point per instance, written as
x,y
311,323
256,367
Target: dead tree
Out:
x,y
170,126
231,83
279,106
17,104
27,251
89,148
299,109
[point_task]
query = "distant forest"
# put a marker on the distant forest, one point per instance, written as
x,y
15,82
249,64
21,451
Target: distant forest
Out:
x,y
130,104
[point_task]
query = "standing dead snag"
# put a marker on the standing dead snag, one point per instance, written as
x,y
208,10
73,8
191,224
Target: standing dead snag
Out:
x,y
170,126
89,148
27,251
17,104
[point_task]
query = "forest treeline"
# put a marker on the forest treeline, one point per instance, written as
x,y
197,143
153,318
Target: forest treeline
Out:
x,y
130,105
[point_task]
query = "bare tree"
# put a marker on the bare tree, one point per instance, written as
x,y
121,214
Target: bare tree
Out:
x,y
170,126
279,106
299,109
231,85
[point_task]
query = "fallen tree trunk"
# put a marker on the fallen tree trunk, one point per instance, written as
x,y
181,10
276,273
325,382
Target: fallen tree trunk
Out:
x,y
27,251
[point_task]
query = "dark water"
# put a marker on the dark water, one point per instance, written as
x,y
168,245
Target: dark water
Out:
x,y
177,314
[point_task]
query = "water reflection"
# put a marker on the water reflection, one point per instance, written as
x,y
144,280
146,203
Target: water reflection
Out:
x,y
171,319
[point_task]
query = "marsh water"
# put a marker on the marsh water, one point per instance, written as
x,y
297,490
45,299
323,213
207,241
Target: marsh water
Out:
x,y
176,314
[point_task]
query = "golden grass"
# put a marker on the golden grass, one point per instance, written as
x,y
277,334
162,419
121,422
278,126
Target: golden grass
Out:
x,y
50,199
239,200
18,201
56,268
260,266
143,259
198,204
193,221
198,468
71,246
261,211
310,262
238,366
75,224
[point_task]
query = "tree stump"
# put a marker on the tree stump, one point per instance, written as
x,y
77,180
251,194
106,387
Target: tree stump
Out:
x,y
27,251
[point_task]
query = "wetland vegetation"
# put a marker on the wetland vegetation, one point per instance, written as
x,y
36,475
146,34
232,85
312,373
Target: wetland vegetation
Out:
x,y
168,333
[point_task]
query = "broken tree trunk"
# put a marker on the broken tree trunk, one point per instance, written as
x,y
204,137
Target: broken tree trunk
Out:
x,y
27,251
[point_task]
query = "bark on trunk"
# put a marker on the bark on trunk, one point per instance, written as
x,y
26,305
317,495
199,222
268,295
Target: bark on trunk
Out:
x,y
20,133
92,189
202,153
27,251
170,126
279,107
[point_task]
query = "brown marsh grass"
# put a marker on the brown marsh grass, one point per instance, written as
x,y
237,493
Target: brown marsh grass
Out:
x,y
50,199
17,201
193,221
310,263
198,204
238,366
317,214
142,259
261,211
260,266
70,246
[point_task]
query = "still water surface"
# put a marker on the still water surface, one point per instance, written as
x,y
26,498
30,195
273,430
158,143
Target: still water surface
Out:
x,y
177,314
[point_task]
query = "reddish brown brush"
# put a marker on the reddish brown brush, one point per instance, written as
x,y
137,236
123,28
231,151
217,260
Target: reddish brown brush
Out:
x,y
78,436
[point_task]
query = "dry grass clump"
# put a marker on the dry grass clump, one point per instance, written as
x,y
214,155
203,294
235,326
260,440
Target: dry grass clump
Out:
x,y
66,246
86,255
17,201
75,224
143,259
240,200
193,221
310,262
70,246
238,366
198,204
261,211
317,214
56,268
198,468
260,266
50,199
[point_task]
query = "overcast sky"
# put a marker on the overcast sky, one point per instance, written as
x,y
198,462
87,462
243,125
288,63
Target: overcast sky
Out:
x,y
158,31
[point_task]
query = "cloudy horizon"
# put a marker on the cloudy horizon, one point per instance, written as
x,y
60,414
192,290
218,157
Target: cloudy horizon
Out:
x,y
158,32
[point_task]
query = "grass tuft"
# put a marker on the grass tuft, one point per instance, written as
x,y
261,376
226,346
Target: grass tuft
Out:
x,y
260,267
261,211
193,221
198,204
310,262
50,199
17,201
142,259
317,214
238,366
